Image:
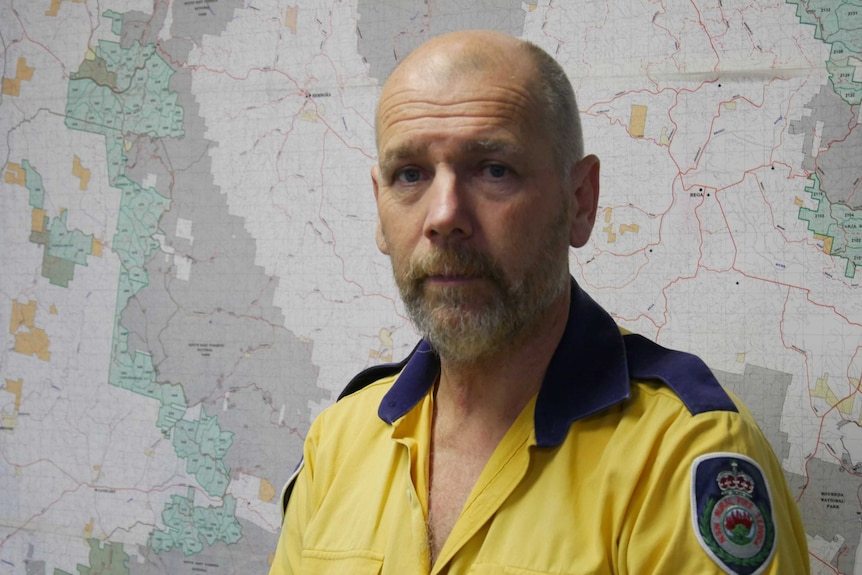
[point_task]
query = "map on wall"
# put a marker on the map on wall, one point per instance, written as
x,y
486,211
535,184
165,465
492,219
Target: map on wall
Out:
x,y
189,275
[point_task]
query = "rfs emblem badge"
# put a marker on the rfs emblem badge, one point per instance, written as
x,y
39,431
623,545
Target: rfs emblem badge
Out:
x,y
732,512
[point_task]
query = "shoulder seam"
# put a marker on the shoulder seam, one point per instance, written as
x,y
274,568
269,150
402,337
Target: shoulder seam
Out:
x,y
685,374
374,373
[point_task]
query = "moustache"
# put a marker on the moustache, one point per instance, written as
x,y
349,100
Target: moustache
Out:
x,y
453,262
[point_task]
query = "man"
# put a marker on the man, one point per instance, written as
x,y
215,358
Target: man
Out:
x,y
525,434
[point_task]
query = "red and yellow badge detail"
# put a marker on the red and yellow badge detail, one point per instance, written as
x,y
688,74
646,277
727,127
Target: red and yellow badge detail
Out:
x,y
732,512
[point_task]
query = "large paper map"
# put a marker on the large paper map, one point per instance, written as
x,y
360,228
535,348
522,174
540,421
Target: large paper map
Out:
x,y
188,270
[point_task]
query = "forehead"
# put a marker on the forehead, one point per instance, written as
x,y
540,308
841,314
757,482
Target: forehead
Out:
x,y
467,104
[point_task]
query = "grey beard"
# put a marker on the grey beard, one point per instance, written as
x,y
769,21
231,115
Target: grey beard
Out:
x,y
462,328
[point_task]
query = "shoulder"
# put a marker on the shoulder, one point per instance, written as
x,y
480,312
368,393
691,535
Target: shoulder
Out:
x,y
359,400
683,374
373,375
678,404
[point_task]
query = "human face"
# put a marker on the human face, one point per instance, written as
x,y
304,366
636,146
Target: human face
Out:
x,y
472,208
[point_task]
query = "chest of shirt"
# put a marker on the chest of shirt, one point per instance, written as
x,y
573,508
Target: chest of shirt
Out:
x,y
533,510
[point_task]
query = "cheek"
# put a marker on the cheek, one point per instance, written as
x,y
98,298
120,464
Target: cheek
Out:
x,y
399,230
396,247
522,238
510,231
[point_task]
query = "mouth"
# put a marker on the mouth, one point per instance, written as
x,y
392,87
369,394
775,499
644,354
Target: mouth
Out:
x,y
456,287
453,269
451,278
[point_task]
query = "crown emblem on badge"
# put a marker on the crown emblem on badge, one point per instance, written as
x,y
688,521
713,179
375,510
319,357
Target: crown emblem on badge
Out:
x,y
733,481
733,512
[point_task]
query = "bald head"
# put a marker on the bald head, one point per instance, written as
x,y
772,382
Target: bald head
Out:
x,y
463,52
443,60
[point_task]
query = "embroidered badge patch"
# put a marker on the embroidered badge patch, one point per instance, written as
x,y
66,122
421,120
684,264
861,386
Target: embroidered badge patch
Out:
x,y
732,512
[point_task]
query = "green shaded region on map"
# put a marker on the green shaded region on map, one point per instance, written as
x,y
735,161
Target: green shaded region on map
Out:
x,y
136,373
837,24
123,93
137,224
129,94
62,248
203,444
105,559
116,21
188,526
65,244
839,226
33,182
120,93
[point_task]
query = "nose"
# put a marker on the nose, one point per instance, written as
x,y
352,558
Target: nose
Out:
x,y
448,215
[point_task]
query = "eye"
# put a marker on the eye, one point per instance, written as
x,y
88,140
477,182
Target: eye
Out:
x,y
409,175
496,171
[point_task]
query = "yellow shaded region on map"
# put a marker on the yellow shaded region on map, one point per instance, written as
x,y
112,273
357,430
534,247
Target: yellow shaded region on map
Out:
x,y
384,352
22,315
798,201
609,229
290,19
88,530
380,355
730,105
80,172
15,388
823,391
855,382
308,116
266,491
664,139
23,72
15,174
96,248
37,220
637,122
386,338
29,339
622,229
827,243
55,6
35,342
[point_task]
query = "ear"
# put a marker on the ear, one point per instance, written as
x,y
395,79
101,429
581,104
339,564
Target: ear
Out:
x,y
378,232
584,182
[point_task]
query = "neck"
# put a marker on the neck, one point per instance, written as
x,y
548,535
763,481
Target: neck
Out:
x,y
495,388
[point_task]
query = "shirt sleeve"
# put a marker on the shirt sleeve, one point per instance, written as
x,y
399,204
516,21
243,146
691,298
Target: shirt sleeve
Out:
x,y
286,560
713,500
288,553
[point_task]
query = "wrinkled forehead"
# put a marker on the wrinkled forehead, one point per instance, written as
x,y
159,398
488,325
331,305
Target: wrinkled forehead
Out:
x,y
447,85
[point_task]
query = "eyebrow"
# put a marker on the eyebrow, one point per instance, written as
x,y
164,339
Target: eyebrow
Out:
x,y
410,150
492,146
401,152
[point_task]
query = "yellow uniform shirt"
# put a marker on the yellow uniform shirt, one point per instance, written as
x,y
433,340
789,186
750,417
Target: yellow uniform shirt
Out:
x,y
630,460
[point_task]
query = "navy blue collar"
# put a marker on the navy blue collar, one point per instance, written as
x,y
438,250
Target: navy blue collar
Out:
x,y
587,373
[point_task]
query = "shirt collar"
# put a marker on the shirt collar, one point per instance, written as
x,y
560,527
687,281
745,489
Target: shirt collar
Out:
x,y
587,373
